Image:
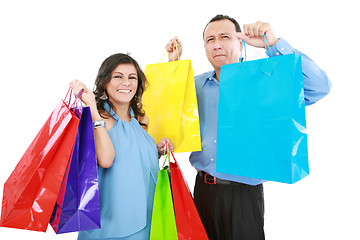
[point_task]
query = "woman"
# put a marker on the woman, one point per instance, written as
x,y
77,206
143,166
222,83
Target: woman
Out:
x,y
126,153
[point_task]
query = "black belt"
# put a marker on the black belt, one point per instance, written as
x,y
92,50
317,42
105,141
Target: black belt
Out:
x,y
213,180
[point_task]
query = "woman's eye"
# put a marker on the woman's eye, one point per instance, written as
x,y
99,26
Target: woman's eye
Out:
x,y
117,76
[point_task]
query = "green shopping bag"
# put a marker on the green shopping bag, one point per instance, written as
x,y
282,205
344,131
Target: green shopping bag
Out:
x,y
163,224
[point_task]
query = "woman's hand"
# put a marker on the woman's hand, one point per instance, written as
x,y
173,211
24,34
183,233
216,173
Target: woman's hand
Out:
x,y
161,146
88,96
105,152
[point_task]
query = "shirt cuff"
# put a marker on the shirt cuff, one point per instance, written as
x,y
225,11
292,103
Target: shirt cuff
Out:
x,y
280,48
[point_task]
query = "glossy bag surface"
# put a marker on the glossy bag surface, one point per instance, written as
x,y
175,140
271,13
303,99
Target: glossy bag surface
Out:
x,y
77,207
261,130
171,105
163,224
188,222
31,190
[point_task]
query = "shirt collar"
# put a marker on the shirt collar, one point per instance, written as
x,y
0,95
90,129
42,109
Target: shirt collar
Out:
x,y
210,77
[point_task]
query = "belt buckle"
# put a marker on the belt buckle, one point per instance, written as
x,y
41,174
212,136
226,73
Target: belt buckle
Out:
x,y
209,181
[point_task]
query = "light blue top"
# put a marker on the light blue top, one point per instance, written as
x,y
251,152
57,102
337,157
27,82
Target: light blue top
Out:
x,y
124,187
316,86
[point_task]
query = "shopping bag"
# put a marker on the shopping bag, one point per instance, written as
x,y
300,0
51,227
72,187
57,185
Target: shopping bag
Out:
x,y
163,224
188,222
171,105
261,130
78,207
30,193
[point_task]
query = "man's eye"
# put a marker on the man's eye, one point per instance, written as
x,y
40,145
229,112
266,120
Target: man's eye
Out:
x,y
210,39
225,36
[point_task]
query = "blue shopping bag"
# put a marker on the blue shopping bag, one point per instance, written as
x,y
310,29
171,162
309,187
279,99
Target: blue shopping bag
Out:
x,y
261,120
78,205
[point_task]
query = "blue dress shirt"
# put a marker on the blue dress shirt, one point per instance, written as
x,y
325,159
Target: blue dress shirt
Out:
x,y
316,86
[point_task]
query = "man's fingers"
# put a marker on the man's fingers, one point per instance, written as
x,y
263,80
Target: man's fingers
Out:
x,y
242,37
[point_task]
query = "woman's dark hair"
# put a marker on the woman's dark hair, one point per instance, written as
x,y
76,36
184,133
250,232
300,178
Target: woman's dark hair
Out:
x,y
104,77
222,17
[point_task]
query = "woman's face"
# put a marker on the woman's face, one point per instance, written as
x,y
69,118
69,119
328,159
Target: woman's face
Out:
x,y
123,84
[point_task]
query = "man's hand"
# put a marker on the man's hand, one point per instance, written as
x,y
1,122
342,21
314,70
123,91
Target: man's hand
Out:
x,y
174,48
254,34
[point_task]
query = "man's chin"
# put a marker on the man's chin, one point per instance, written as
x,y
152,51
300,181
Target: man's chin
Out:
x,y
220,63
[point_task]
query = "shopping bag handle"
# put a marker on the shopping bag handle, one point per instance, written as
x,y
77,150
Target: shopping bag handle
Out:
x,y
77,99
175,48
78,96
267,46
167,153
168,150
243,46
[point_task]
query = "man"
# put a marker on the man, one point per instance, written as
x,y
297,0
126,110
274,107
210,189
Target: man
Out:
x,y
232,207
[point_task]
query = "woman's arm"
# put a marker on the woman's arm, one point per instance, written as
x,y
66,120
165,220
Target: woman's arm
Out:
x,y
105,152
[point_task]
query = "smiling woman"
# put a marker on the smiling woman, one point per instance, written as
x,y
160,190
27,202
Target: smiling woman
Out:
x,y
126,153
122,88
118,74
45,44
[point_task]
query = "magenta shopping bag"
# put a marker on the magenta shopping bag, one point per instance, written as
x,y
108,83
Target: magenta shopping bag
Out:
x,y
77,207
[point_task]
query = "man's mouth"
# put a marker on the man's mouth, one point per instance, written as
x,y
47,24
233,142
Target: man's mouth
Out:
x,y
219,55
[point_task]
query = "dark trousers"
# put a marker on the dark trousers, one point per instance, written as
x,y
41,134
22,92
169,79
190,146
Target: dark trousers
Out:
x,y
230,211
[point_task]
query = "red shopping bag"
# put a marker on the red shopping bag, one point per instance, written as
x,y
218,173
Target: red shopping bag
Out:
x,y
31,190
188,222
78,206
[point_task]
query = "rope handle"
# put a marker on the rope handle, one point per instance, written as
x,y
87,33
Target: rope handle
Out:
x,y
267,46
167,154
167,157
77,99
243,46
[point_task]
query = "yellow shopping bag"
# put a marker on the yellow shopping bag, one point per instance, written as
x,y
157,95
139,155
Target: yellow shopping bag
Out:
x,y
171,105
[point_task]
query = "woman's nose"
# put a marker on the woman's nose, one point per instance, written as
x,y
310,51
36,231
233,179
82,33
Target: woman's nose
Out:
x,y
126,82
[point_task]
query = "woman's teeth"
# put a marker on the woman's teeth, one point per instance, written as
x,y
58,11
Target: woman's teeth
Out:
x,y
123,91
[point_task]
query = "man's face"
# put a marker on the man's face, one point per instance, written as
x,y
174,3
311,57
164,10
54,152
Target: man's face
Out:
x,y
221,44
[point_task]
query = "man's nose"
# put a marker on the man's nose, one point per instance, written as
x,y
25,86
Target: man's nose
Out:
x,y
218,44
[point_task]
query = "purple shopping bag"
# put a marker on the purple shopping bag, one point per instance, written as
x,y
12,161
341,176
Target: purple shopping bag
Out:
x,y
77,207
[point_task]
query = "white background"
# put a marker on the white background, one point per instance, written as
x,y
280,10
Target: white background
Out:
x,y
46,44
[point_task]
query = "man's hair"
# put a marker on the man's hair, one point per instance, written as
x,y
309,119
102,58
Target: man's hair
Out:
x,y
222,17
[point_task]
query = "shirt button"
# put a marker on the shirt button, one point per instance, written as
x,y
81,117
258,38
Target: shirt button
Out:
x,y
215,141
212,159
277,54
282,49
